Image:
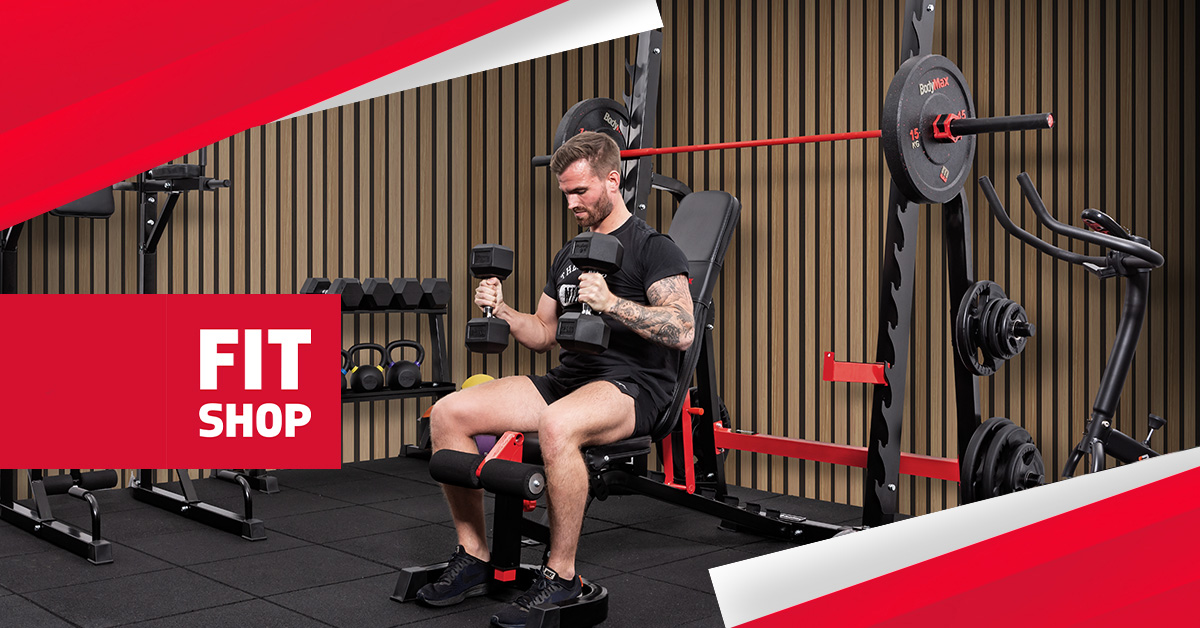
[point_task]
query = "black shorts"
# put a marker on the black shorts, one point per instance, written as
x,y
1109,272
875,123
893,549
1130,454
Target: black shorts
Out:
x,y
645,411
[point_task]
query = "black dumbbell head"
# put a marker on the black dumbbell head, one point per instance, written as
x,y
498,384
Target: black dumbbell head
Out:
x,y
487,334
491,260
314,285
378,293
435,293
597,252
408,293
351,291
582,333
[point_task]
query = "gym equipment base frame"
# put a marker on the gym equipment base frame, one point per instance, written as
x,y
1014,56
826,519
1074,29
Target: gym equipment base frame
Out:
x,y
176,180
40,520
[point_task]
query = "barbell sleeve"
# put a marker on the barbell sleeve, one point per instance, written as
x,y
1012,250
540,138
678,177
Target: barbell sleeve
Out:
x,y
1001,124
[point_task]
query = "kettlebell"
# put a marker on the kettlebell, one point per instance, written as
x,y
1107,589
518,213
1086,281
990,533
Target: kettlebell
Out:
x,y
367,377
404,374
346,362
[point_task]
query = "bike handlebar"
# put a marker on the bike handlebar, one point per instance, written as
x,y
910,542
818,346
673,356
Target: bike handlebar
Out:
x,y
1145,256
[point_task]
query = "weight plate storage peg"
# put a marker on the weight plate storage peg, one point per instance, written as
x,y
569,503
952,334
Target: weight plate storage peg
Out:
x,y
926,91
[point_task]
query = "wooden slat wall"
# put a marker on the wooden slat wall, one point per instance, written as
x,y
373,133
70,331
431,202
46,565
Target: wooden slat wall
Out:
x,y
404,185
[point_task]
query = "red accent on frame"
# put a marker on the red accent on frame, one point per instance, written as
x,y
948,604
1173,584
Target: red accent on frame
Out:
x,y
506,575
689,474
853,372
848,455
510,447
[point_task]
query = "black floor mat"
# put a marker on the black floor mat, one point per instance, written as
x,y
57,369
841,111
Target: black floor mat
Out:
x,y
206,545
336,540
136,598
18,612
50,570
253,613
290,570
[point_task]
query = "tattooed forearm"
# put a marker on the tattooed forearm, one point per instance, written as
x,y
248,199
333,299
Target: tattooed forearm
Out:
x,y
668,318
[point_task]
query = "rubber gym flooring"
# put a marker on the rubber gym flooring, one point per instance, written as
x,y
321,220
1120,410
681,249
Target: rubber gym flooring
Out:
x,y
336,540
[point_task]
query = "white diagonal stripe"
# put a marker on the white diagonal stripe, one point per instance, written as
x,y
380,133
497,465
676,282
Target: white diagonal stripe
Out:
x,y
757,587
570,25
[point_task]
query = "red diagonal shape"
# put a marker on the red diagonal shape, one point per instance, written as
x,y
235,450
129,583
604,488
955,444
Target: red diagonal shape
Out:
x,y
100,108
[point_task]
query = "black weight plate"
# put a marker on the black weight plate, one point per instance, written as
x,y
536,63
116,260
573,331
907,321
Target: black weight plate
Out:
x,y
989,330
1012,343
1024,461
970,466
968,325
966,321
995,464
926,169
986,322
604,115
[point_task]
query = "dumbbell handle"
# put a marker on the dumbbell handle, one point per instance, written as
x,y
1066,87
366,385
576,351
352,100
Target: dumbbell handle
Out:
x,y
487,309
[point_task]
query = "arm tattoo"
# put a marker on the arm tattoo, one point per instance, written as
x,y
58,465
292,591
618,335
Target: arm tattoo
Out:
x,y
668,318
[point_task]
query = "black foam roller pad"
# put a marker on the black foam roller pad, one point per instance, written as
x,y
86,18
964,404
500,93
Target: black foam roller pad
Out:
x,y
518,479
91,481
455,468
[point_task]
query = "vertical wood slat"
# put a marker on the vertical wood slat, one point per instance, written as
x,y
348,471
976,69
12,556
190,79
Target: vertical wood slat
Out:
x,y
404,185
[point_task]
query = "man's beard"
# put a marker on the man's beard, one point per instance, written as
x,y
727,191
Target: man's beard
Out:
x,y
596,215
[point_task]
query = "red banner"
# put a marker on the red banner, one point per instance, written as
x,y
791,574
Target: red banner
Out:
x,y
171,381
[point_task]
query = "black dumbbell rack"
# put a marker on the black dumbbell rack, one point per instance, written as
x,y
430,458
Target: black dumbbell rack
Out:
x,y
436,357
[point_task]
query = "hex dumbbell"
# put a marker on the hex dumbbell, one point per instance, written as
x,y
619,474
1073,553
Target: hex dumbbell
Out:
x,y
435,293
488,334
585,332
378,293
408,293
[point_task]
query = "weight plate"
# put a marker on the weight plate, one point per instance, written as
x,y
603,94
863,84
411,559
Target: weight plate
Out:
x,y
971,464
993,468
989,331
927,169
1025,469
968,325
1011,344
604,115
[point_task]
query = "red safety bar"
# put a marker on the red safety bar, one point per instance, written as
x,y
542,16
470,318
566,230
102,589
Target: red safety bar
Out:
x,y
910,464
853,372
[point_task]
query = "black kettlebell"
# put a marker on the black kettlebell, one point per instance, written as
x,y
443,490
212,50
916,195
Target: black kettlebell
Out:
x,y
346,362
367,377
404,374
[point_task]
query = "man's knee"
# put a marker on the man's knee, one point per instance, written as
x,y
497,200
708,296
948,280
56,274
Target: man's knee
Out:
x,y
558,434
450,415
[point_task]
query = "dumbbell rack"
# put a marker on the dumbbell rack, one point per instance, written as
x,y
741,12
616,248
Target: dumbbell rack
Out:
x,y
437,358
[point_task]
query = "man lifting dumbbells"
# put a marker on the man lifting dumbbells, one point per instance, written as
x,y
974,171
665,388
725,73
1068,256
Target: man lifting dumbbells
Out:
x,y
591,398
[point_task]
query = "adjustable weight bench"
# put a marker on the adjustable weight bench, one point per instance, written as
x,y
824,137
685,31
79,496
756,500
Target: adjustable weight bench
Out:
x,y
702,227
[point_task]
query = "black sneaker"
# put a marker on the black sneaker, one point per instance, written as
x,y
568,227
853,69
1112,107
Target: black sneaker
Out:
x,y
547,589
465,576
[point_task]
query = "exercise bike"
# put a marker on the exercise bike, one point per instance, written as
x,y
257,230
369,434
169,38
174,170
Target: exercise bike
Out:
x,y
1128,256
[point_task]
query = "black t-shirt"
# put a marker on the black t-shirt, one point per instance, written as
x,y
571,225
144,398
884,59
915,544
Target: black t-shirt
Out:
x,y
649,256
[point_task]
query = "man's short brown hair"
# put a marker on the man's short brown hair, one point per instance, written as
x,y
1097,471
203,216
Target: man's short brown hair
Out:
x,y
600,151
